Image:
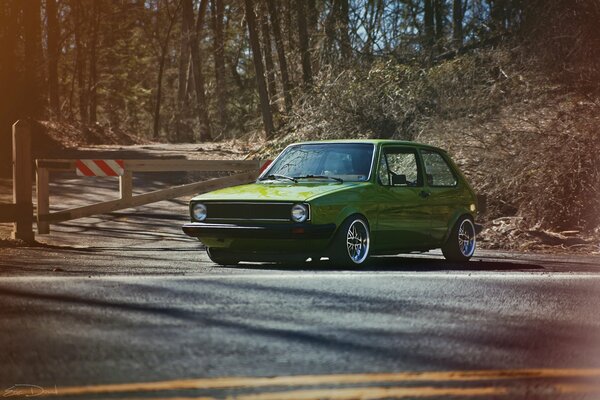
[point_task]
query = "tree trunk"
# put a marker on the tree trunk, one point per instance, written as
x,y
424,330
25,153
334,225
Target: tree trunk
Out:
x,y
190,86
217,11
258,70
428,22
439,23
346,48
158,100
498,14
32,81
93,81
113,104
53,55
289,24
330,29
457,23
11,96
164,48
268,56
303,44
312,17
201,103
283,67
80,60
184,64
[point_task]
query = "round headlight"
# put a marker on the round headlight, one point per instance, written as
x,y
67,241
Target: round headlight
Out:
x,y
199,212
299,213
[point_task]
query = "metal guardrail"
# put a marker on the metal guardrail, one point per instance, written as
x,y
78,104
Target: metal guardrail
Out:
x,y
21,212
126,197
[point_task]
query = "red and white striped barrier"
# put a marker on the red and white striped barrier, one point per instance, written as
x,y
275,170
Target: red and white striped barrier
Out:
x,y
100,167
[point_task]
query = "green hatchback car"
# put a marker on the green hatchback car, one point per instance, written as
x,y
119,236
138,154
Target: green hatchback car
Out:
x,y
345,200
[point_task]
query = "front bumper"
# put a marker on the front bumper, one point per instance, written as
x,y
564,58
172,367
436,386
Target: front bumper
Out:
x,y
259,231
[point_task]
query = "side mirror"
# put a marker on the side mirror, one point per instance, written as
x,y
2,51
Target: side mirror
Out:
x,y
398,180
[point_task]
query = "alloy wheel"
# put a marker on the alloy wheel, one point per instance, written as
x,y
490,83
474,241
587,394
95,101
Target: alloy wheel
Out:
x,y
466,238
357,241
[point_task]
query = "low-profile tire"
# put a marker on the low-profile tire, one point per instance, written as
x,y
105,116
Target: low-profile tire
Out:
x,y
221,257
352,243
461,243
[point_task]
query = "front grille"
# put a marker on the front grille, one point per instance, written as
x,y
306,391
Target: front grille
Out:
x,y
244,211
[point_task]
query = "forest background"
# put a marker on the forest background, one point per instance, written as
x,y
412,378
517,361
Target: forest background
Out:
x,y
511,88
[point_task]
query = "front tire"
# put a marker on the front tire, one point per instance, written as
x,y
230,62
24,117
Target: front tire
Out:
x,y
352,243
461,243
221,257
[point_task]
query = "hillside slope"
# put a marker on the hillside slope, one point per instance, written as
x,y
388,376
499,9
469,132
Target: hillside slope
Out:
x,y
524,138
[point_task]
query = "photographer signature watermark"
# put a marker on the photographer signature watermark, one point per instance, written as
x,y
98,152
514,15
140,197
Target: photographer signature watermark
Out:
x,y
24,390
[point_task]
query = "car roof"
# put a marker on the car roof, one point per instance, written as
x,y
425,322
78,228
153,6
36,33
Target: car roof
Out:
x,y
374,142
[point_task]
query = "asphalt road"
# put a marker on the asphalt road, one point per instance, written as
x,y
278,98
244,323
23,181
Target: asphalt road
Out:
x,y
125,306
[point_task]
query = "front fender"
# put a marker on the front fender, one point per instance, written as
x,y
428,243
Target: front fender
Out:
x,y
336,207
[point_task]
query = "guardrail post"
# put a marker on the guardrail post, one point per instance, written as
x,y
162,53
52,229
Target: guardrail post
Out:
x,y
126,185
23,227
42,190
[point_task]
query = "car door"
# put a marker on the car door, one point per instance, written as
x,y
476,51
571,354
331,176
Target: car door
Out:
x,y
403,221
441,187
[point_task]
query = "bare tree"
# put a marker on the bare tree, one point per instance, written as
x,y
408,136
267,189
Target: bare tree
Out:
x,y
457,22
440,15
219,57
33,58
53,55
428,22
268,56
80,25
343,12
183,73
201,103
259,70
93,81
163,43
303,44
283,67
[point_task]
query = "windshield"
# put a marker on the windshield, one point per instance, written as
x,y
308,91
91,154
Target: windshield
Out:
x,y
346,161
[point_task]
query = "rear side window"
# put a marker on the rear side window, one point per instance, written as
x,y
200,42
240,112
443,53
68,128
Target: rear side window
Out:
x,y
399,167
437,170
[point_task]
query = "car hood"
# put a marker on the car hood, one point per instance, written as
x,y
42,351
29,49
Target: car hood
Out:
x,y
271,191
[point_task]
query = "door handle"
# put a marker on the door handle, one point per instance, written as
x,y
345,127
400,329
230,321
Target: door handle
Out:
x,y
424,194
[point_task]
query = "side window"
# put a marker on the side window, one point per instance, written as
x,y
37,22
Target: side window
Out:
x,y
399,167
437,170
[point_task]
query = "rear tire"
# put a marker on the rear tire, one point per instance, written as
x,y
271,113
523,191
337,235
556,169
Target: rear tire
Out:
x,y
461,243
352,243
221,256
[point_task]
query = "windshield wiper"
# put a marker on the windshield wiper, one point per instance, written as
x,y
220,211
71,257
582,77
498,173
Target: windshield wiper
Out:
x,y
340,180
277,176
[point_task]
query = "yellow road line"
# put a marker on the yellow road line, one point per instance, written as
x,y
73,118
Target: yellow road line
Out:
x,y
373,393
312,380
574,388
364,393
376,393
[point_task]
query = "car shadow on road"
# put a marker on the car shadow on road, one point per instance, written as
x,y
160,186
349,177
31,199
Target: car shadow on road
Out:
x,y
401,264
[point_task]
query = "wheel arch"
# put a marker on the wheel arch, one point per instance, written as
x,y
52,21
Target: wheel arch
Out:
x,y
345,215
348,212
456,216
